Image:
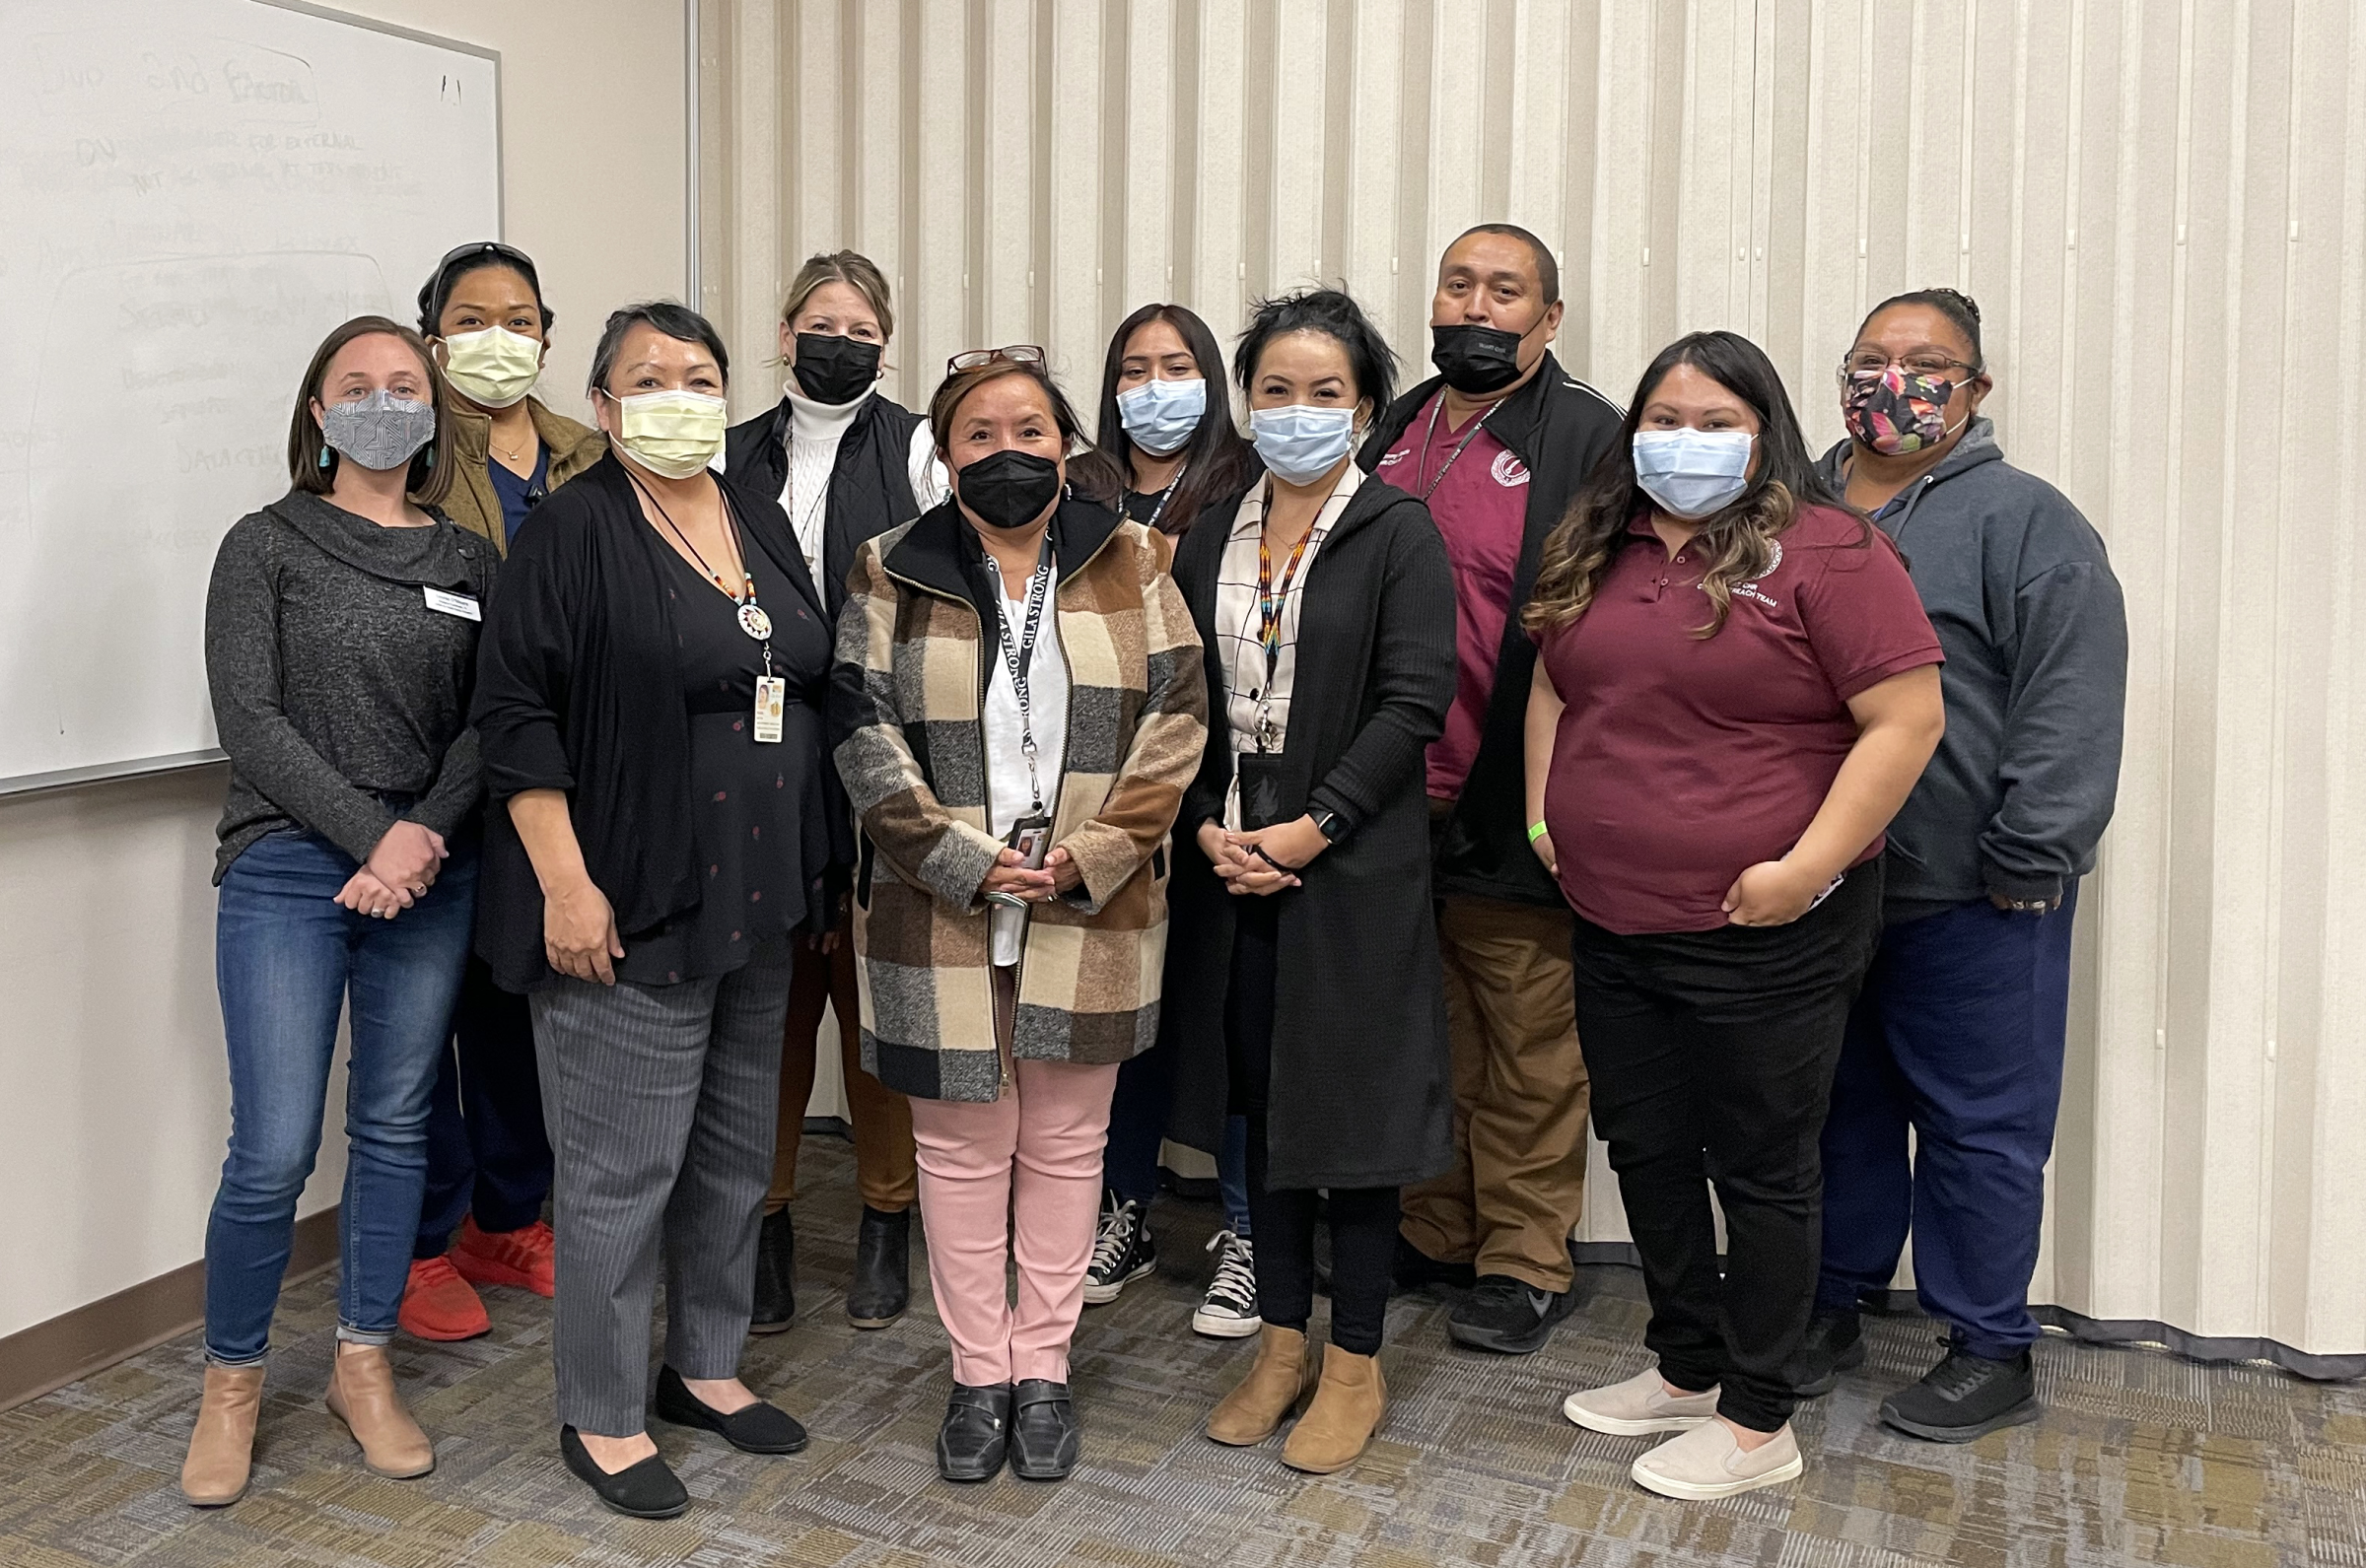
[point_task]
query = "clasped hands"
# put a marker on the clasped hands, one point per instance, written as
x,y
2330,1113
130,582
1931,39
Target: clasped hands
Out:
x,y
1265,861
1008,874
402,866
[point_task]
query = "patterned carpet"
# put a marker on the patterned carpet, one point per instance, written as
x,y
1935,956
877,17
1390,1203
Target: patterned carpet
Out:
x,y
2139,1460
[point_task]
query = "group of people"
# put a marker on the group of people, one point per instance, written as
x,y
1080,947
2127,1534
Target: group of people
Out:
x,y
1370,799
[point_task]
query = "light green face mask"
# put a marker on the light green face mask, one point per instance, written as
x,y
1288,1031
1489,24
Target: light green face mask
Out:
x,y
492,369
673,434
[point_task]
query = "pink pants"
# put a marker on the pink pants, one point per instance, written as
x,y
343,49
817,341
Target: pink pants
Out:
x,y
1039,1144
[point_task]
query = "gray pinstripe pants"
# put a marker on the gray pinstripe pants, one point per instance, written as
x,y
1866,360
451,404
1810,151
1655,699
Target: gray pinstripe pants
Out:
x,y
662,1103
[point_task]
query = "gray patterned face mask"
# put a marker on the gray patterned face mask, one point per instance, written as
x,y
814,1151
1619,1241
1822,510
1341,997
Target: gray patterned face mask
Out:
x,y
381,430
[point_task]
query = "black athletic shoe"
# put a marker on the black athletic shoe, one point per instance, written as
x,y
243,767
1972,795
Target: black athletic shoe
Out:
x,y
1416,1270
882,1284
1965,1397
758,1428
976,1434
1509,1316
1833,1344
1122,1250
1044,1442
776,1274
647,1490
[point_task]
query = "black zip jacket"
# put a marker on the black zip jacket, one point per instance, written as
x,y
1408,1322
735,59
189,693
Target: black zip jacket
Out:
x,y
1560,428
870,484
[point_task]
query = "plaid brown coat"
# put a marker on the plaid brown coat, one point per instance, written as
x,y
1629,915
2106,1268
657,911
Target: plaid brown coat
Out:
x,y
906,701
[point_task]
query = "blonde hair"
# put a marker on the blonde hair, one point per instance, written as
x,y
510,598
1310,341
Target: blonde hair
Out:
x,y
850,267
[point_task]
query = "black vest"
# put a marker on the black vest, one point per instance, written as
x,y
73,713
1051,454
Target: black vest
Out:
x,y
870,484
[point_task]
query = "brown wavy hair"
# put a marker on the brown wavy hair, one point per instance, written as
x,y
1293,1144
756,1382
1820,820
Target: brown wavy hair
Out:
x,y
1737,542
429,480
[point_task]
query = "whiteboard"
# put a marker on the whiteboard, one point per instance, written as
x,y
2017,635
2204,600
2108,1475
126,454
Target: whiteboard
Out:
x,y
196,191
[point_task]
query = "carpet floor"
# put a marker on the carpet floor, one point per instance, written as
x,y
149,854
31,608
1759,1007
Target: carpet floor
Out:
x,y
2139,1458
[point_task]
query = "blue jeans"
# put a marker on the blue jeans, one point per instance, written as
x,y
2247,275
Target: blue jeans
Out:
x,y
285,959
1137,1125
487,1152
1958,1033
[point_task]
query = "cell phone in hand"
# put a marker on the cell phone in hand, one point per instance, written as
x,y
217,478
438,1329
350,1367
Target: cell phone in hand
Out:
x,y
1031,837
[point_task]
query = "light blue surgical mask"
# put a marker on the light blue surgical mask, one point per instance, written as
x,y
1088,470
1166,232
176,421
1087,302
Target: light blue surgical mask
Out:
x,y
1301,443
1161,416
1691,473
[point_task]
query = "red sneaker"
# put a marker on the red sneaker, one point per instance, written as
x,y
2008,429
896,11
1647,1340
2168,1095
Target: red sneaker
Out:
x,y
438,1304
519,1257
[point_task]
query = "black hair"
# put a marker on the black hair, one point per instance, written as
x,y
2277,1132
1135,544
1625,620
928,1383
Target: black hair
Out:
x,y
1953,304
1090,473
1548,270
1334,314
677,321
1218,460
483,255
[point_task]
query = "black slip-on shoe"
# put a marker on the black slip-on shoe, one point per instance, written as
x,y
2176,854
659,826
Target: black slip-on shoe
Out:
x,y
1965,1397
976,1434
647,1490
775,1275
882,1284
1509,1316
1044,1441
760,1428
1415,1270
1835,1344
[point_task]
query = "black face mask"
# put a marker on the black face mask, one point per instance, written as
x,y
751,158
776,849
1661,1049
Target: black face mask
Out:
x,y
835,369
1009,489
1475,360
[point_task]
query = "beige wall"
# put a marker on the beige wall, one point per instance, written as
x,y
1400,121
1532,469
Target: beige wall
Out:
x,y
2162,209
115,1107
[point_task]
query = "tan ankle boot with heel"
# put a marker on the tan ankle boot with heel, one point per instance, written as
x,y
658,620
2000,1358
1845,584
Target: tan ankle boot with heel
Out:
x,y
362,1395
222,1448
1278,1382
1349,1405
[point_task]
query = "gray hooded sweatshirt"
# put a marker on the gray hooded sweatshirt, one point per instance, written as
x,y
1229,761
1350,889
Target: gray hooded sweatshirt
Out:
x,y
2018,588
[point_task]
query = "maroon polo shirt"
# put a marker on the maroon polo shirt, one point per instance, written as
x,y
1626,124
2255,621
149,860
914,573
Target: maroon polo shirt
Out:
x,y
1681,761
1480,508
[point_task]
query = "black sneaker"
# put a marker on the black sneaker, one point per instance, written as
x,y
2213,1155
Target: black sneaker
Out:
x,y
1122,1251
1416,1270
1833,1344
1508,1315
1229,1308
1965,1397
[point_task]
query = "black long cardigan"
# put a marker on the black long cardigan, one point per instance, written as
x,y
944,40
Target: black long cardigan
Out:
x,y
578,689
1360,1093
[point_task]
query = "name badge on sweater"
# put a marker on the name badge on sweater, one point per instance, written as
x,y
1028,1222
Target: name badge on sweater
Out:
x,y
459,604
772,697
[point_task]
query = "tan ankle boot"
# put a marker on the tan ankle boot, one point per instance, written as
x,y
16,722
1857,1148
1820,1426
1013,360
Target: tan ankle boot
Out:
x,y
1281,1378
362,1395
222,1448
1338,1426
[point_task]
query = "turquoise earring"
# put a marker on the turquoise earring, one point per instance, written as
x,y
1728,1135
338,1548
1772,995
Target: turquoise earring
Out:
x,y
431,456
325,457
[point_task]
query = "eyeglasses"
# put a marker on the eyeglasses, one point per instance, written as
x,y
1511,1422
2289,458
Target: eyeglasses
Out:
x,y
979,359
1872,362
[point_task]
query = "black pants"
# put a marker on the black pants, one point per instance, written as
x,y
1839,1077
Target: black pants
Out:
x,y
1364,1219
487,1151
1713,1055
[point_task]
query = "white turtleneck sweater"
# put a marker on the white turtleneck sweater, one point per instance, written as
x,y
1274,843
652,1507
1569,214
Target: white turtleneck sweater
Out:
x,y
815,430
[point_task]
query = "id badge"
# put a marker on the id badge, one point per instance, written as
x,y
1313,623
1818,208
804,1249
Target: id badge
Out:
x,y
772,697
1031,837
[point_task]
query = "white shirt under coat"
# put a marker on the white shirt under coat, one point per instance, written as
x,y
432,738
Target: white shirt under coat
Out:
x,y
814,432
1008,794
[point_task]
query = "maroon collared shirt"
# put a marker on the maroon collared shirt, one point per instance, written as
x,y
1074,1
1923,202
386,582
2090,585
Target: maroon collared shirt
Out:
x,y
1680,759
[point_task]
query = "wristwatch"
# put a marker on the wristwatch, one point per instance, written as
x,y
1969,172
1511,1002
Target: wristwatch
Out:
x,y
1328,823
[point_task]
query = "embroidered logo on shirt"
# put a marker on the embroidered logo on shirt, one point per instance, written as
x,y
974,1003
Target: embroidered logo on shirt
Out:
x,y
1509,470
1751,590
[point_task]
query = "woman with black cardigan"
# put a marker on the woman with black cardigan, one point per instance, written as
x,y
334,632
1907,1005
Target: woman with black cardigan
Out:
x,y
649,708
1302,981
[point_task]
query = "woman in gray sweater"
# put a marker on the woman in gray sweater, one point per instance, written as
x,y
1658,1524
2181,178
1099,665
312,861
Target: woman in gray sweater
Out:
x,y
340,645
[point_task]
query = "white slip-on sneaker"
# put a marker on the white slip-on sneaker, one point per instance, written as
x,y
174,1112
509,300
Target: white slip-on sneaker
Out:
x,y
1638,1407
1710,1463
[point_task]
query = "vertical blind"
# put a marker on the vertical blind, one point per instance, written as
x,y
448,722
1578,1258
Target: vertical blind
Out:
x,y
2161,209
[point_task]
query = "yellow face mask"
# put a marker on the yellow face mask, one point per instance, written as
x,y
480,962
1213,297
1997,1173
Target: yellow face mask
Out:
x,y
494,367
673,434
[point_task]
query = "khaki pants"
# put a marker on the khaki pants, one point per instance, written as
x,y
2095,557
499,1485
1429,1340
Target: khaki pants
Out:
x,y
884,1168
1517,1184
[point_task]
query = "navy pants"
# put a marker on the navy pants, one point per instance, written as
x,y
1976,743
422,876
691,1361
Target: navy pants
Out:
x,y
1959,1034
1138,1125
486,1148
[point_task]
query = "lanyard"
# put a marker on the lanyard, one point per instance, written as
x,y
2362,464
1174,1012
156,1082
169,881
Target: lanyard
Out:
x,y
1469,437
752,618
1271,603
1166,496
1019,657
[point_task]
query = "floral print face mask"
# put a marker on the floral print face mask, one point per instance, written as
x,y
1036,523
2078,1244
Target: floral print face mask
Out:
x,y
1895,411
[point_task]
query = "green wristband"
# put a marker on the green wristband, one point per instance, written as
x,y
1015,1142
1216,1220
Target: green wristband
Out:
x,y
1536,832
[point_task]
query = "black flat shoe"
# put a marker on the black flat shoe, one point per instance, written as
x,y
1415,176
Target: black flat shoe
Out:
x,y
647,1490
976,1433
1044,1441
882,1284
775,1275
760,1428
